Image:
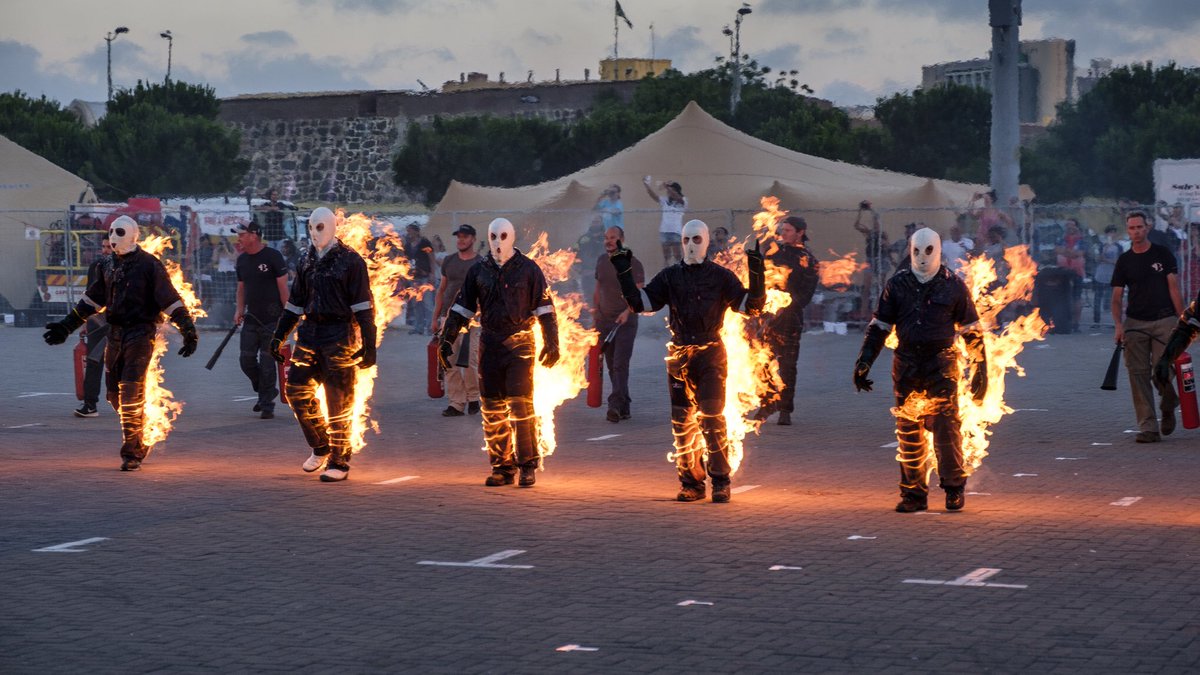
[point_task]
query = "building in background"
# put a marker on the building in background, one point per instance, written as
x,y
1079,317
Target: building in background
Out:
x,y
612,70
1046,77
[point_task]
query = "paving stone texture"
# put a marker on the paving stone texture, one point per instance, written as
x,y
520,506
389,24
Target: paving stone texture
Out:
x,y
222,556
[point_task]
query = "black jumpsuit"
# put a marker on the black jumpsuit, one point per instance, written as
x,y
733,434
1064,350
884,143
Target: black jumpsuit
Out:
x,y
328,291
927,318
509,299
134,291
785,327
698,296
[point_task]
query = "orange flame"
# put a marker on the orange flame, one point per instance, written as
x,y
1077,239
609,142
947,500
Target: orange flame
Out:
x,y
381,248
161,408
554,386
991,295
836,274
752,371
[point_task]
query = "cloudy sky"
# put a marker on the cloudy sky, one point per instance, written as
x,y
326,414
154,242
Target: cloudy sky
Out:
x,y
849,51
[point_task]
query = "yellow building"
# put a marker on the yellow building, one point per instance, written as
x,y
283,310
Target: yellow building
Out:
x,y
632,69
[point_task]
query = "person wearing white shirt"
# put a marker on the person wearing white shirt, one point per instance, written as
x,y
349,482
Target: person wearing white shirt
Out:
x,y
673,204
956,249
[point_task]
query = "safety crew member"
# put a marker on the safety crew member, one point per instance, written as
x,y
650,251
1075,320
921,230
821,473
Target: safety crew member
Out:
x,y
616,323
698,292
929,306
134,290
784,328
96,339
510,292
332,292
261,292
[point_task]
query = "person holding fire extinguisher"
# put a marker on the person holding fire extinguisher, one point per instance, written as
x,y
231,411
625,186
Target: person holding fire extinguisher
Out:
x,y
462,378
1152,275
1170,363
616,322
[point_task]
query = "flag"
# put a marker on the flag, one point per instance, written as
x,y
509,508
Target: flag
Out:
x,y
621,14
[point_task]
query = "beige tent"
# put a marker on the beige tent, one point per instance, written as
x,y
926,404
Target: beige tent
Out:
x,y
724,173
34,193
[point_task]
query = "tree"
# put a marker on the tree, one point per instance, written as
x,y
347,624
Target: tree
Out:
x,y
164,140
42,127
943,132
1105,144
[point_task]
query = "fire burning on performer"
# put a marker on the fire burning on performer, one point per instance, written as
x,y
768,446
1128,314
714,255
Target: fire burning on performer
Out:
x,y
134,289
945,327
511,294
699,292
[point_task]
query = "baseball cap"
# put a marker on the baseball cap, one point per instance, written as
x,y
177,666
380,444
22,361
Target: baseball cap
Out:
x,y
464,229
251,227
796,222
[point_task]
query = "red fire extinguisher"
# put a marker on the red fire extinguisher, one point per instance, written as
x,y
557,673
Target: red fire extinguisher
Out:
x,y
1186,381
286,350
79,356
595,375
434,371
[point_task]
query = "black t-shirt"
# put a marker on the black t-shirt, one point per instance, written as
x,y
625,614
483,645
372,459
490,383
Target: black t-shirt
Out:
x,y
418,253
258,274
1146,276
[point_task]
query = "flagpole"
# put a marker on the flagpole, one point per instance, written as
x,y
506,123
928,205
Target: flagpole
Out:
x,y
616,53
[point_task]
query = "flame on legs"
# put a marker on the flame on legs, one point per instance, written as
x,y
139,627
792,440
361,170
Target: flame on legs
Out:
x,y
554,386
382,248
991,295
161,408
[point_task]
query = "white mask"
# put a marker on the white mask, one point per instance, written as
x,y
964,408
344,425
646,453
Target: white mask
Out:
x,y
926,249
123,234
501,239
322,229
693,251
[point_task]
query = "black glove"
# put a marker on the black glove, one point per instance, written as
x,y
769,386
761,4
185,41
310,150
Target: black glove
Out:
x,y
757,266
451,327
187,329
57,331
861,370
549,355
871,346
622,261
283,328
978,354
1180,338
366,326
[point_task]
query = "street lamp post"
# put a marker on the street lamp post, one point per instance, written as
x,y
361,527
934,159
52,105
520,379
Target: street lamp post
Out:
x,y
109,39
166,35
735,92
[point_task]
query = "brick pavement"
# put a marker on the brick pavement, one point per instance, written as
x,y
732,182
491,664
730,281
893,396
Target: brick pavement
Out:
x,y
222,555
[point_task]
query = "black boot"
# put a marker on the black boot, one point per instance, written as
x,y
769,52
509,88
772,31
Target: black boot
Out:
x,y
721,493
910,503
500,477
690,493
955,498
528,476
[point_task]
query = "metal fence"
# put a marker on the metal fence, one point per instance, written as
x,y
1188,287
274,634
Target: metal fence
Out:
x,y
45,255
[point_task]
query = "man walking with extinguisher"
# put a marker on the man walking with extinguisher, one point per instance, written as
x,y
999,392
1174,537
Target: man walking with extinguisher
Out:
x,y
1152,275
1185,331
462,378
614,318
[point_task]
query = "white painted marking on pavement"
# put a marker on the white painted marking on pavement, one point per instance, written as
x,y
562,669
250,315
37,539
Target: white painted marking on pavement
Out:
x,y
576,648
975,578
893,444
1094,444
859,537
776,568
26,426
401,479
605,437
487,561
240,399
1031,410
980,494
1069,459
32,394
1021,475
687,603
70,546
1131,431
1126,501
743,488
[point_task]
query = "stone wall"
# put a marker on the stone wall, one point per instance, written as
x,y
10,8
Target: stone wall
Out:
x,y
338,146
